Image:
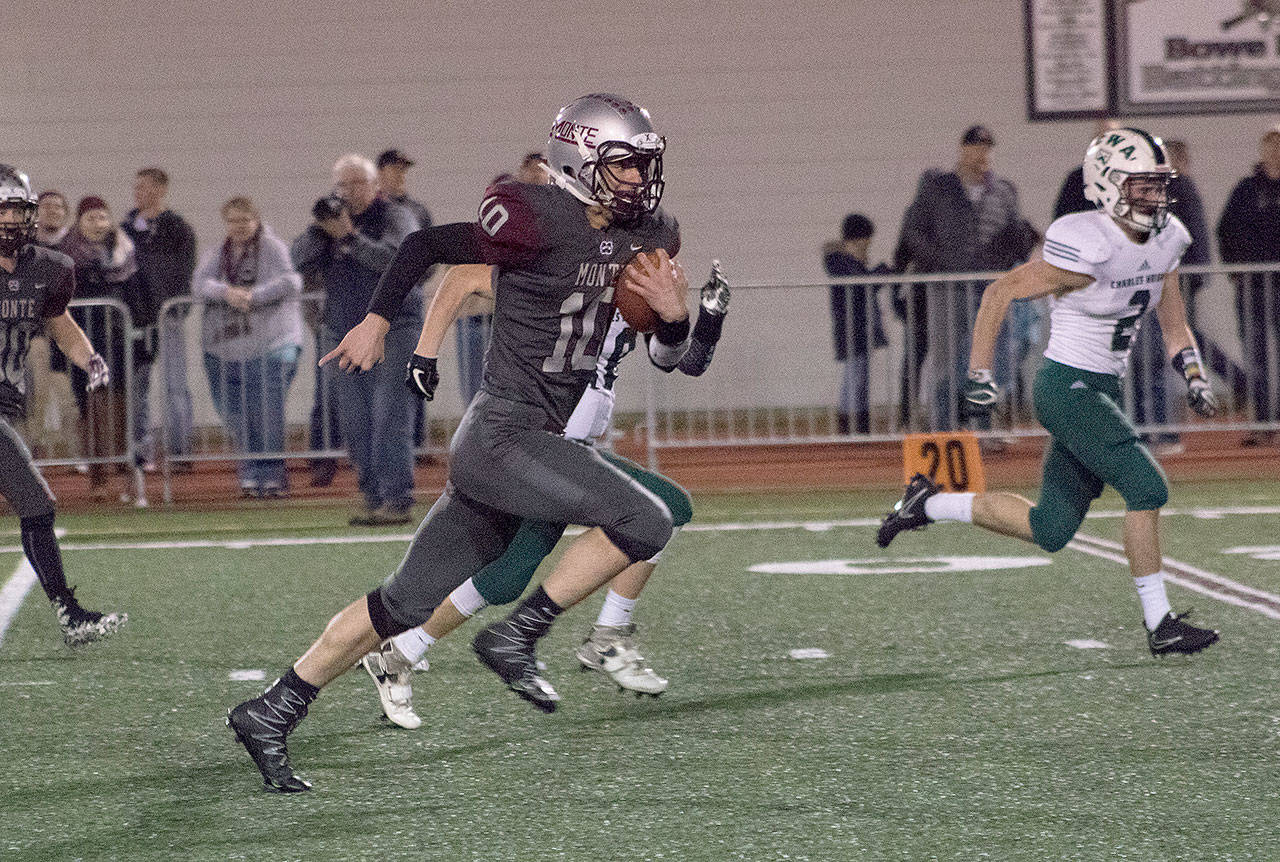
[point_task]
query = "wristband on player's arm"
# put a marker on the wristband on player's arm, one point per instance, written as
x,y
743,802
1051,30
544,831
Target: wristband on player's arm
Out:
x,y
421,250
706,335
672,333
1188,363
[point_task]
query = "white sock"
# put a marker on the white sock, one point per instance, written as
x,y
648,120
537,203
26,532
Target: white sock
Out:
x,y
412,644
616,611
950,507
467,599
1155,604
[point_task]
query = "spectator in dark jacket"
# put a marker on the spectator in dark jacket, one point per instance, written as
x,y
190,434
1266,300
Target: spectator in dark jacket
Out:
x,y
1249,232
855,319
349,252
166,251
105,269
959,221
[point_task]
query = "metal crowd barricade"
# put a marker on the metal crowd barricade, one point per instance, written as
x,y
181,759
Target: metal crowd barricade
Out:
x,y
775,378
253,411
105,439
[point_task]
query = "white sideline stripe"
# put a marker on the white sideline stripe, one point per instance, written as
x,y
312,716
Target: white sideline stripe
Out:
x,y
1083,544
1187,567
14,591
726,527
29,682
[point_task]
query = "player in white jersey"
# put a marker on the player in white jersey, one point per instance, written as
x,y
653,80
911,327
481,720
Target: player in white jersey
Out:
x,y
610,647
1102,270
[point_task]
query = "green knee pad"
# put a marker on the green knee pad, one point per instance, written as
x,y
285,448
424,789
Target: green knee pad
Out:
x,y
677,499
503,580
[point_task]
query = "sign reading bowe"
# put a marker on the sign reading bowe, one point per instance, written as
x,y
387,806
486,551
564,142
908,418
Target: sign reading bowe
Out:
x,y
1196,56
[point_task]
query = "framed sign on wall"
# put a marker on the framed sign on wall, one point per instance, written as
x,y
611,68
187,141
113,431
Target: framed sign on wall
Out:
x,y
1197,56
1067,59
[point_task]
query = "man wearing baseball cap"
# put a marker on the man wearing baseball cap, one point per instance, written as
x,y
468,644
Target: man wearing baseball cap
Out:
x,y
393,167
961,220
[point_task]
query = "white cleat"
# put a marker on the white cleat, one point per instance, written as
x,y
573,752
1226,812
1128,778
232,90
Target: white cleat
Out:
x,y
391,674
611,651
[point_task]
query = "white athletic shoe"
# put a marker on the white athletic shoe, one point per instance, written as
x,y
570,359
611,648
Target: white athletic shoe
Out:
x,y
391,674
611,650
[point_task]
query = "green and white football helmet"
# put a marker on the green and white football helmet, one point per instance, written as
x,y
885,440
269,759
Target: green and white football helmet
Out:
x,y
1113,160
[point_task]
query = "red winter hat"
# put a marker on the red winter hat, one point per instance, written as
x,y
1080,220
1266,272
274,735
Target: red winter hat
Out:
x,y
91,202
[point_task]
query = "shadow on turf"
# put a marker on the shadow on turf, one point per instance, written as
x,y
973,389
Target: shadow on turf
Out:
x,y
876,684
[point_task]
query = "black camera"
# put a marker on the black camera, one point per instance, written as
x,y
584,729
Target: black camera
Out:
x,y
329,206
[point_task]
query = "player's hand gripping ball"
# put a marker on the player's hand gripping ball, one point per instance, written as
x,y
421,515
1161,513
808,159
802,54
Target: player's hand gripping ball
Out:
x,y
634,308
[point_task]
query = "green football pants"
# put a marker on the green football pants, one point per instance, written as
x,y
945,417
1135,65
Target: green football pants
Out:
x,y
1092,444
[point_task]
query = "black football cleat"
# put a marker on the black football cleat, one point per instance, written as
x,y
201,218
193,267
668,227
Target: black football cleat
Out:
x,y
262,725
908,513
502,649
1175,634
80,626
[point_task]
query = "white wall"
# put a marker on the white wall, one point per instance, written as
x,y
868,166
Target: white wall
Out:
x,y
780,117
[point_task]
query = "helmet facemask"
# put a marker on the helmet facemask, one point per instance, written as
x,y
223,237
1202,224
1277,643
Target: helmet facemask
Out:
x,y
628,198
1144,199
14,234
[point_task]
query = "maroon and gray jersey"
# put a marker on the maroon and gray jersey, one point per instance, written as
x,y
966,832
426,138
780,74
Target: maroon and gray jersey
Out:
x,y
554,295
38,289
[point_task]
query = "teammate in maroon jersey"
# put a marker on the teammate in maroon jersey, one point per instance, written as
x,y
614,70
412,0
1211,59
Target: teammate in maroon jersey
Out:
x,y
559,248
38,284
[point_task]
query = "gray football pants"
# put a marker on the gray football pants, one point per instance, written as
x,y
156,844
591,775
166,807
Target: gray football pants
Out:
x,y
20,481
504,468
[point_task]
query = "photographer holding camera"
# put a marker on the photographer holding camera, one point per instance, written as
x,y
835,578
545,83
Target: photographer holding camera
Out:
x,y
353,238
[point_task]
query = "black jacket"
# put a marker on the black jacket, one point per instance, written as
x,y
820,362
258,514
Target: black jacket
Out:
x,y
1249,227
166,255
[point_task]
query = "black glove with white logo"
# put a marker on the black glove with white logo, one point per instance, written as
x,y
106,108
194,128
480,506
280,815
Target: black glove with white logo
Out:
x,y
421,377
980,394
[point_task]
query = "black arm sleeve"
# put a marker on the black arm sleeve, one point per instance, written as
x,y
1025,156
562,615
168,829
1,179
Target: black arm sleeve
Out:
x,y
706,335
421,250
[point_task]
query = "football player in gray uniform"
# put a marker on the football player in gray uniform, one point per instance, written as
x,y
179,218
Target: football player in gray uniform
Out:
x,y
610,647
558,248
39,284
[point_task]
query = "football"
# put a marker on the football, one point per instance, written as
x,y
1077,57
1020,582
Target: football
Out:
x,y
633,307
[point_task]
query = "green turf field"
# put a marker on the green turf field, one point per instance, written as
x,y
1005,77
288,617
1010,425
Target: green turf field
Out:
x,y
950,720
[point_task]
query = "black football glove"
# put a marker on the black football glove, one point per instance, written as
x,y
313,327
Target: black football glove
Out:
x,y
421,377
1200,395
98,373
715,293
980,394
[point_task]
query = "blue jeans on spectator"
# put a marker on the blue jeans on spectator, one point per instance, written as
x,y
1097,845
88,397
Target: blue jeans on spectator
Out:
x,y
1147,364
325,430
1019,332
473,340
377,419
952,309
177,397
853,406
249,395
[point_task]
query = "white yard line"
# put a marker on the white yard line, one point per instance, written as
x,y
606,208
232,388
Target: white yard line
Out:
x,y
1198,580
13,592
1183,574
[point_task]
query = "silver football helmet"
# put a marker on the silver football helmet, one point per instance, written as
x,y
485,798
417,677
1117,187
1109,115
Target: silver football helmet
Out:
x,y
15,193
1115,158
596,136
